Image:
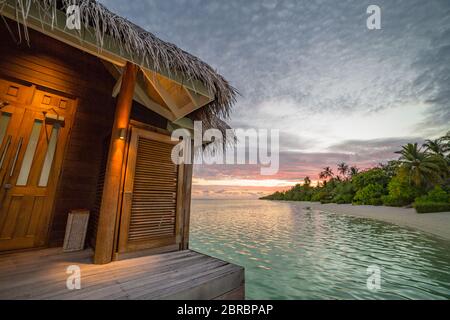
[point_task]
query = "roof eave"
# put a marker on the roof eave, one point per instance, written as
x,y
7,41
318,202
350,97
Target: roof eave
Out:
x,y
86,41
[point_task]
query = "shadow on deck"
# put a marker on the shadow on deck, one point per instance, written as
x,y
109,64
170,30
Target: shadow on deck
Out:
x,y
177,275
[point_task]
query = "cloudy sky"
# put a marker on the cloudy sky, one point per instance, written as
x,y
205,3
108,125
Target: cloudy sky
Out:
x,y
335,90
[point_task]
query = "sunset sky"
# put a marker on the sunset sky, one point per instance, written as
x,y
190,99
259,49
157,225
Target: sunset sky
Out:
x,y
335,90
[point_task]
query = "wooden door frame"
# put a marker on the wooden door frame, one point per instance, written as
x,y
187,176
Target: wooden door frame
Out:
x,y
57,182
43,237
127,192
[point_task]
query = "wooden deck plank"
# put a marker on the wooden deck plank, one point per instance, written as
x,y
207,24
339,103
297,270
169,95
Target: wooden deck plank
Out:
x,y
172,290
112,278
176,275
168,280
104,290
83,259
52,278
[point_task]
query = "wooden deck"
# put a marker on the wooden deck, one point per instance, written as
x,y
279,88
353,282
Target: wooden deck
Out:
x,y
177,275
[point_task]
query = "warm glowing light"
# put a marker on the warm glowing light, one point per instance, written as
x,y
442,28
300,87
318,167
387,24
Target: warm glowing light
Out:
x,y
244,182
122,133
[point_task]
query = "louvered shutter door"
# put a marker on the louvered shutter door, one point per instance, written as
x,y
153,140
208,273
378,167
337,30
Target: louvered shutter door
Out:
x,y
153,208
150,216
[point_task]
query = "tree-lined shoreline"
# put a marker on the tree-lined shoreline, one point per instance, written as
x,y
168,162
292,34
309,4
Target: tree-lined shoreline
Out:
x,y
419,178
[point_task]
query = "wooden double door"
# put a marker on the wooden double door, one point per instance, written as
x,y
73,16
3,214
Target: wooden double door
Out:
x,y
34,128
152,210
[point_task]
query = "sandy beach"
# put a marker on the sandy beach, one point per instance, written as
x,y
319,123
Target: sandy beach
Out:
x,y
437,224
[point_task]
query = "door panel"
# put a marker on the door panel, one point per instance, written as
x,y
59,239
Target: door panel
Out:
x,y
32,150
10,127
150,215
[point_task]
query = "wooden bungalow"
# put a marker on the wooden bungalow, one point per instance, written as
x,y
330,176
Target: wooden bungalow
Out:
x,y
85,123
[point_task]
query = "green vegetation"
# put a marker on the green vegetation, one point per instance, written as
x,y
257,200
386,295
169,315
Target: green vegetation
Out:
x,y
419,178
432,207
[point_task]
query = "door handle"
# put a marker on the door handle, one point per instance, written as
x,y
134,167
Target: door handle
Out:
x,y
7,187
5,151
16,156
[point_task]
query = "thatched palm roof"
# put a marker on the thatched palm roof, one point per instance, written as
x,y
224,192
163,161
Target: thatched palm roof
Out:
x,y
137,42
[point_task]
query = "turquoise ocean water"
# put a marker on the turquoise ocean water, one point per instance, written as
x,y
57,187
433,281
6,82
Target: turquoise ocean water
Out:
x,y
292,253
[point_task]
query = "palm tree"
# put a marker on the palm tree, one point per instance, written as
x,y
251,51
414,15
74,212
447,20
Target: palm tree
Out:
x,y
390,168
446,142
326,173
342,169
353,171
435,146
440,147
307,181
421,167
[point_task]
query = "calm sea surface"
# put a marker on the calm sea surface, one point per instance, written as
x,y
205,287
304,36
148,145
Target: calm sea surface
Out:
x,y
292,253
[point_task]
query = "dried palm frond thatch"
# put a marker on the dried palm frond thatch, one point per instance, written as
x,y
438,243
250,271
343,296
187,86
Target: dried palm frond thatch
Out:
x,y
142,46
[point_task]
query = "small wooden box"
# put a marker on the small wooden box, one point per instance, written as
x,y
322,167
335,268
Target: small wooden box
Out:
x,y
76,229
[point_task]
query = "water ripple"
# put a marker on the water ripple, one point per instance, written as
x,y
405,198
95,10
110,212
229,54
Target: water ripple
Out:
x,y
291,253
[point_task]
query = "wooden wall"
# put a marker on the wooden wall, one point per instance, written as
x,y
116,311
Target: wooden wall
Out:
x,y
55,66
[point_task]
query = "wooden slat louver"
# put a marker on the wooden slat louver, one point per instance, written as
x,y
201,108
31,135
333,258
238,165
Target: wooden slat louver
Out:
x,y
152,212
153,207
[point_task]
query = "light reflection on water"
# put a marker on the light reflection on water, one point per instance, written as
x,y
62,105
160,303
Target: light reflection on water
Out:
x,y
292,253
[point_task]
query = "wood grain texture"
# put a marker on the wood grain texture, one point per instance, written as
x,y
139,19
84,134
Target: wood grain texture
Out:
x,y
176,275
27,205
52,66
187,196
61,69
151,211
109,209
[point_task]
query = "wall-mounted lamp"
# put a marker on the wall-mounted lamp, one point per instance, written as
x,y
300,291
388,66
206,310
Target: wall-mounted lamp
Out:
x,y
122,133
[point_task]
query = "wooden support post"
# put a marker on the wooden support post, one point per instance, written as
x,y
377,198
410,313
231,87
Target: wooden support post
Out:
x,y
187,193
111,188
